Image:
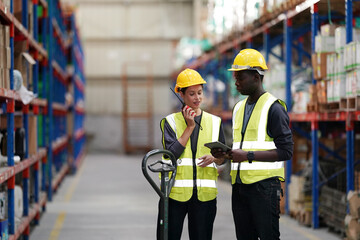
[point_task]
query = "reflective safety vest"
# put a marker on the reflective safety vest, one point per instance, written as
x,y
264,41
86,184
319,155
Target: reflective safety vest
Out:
x,y
206,177
255,138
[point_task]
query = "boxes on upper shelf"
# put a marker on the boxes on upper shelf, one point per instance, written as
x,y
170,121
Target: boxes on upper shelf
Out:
x,y
352,55
324,44
328,29
319,63
339,88
340,37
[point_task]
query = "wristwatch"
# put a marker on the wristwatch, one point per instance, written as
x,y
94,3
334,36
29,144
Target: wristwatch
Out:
x,y
250,156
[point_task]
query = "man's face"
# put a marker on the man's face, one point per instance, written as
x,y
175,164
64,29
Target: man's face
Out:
x,y
246,83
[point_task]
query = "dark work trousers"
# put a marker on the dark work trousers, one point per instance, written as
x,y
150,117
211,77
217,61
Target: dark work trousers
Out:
x,y
256,209
201,216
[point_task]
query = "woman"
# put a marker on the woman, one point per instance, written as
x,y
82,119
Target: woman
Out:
x,y
194,191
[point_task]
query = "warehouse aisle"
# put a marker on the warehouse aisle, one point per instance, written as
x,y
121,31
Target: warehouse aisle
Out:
x,y
110,199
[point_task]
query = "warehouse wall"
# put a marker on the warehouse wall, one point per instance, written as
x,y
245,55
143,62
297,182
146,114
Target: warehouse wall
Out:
x,y
135,33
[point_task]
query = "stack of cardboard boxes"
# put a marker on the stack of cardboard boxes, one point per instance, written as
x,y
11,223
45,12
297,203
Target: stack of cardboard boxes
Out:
x,y
5,56
352,224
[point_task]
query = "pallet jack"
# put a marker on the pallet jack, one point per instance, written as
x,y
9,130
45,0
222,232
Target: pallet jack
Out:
x,y
165,185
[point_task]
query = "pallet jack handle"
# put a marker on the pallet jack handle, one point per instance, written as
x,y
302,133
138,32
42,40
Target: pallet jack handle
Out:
x,y
166,183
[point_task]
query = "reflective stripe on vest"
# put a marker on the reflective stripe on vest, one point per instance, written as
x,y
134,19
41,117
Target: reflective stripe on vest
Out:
x,y
206,177
255,139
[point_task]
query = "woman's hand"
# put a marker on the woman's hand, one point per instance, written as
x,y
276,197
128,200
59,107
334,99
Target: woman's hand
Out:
x,y
189,115
206,160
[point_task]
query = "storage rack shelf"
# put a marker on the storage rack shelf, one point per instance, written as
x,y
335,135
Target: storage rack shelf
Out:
x,y
287,27
46,43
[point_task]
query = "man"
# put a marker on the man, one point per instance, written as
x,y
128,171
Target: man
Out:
x,y
262,141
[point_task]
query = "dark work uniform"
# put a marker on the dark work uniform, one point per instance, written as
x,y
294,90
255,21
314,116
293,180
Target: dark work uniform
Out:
x,y
256,207
201,215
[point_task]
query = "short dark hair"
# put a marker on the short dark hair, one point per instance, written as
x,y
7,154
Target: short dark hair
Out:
x,y
253,72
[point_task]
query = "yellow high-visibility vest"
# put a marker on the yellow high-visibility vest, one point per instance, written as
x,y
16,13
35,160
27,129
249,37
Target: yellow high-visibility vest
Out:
x,y
255,139
206,178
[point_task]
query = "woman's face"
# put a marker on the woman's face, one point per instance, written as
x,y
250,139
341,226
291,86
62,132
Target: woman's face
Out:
x,y
193,96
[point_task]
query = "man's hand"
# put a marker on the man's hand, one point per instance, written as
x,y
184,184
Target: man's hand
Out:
x,y
238,155
220,154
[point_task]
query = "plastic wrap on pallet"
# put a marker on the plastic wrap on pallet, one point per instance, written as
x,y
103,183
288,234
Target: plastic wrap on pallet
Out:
x,y
340,38
351,83
324,44
339,67
330,90
330,65
339,90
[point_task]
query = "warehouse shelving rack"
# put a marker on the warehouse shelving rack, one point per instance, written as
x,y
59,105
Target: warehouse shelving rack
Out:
x,y
288,27
77,111
47,43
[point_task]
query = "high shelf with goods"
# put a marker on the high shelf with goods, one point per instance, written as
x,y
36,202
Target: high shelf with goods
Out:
x,y
288,34
34,139
76,115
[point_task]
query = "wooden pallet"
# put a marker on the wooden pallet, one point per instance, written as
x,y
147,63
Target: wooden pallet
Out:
x,y
332,107
312,107
353,103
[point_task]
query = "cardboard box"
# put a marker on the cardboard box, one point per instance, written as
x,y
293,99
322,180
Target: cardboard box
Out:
x,y
24,62
352,228
33,141
18,122
328,30
353,198
321,89
319,63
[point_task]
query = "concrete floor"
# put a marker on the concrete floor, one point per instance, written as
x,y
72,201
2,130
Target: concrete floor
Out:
x,y
109,198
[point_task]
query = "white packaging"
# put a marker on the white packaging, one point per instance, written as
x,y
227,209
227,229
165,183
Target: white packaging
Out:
x,y
340,38
351,84
357,76
330,65
339,63
339,90
324,44
357,55
329,90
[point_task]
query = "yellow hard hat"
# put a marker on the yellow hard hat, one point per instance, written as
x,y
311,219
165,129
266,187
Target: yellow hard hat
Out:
x,y
249,59
187,78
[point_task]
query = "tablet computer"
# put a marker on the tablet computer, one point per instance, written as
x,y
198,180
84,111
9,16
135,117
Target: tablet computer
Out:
x,y
217,144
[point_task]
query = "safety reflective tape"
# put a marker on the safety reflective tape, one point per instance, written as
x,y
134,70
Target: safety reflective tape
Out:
x,y
236,145
263,119
171,121
234,166
261,165
257,165
199,183
263,145
216,128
